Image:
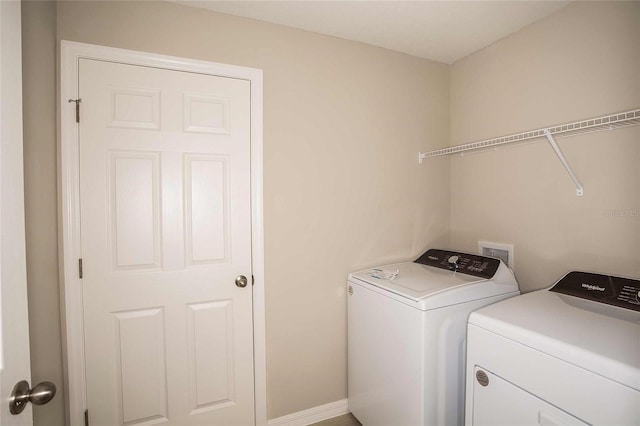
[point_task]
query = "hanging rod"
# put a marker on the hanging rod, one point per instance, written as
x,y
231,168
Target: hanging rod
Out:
x,y
607,122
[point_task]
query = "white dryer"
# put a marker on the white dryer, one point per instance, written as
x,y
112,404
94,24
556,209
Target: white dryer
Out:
x,y
406,335
569,355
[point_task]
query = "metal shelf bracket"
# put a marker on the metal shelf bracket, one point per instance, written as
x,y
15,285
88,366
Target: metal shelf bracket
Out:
x,y
565,163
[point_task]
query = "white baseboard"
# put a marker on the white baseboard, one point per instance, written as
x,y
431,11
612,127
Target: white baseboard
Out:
x,y
312,415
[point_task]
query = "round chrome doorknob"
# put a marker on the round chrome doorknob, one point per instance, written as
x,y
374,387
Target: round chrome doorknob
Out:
x,y
241,281
40,394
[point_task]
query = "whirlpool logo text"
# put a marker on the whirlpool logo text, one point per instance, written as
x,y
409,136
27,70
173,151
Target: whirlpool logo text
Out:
x,y
592,287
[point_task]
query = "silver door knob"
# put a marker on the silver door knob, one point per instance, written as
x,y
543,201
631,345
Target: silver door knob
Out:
x,y
40,394
241,281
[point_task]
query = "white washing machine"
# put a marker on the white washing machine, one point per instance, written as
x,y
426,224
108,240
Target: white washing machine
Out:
x,y
569,355
406,335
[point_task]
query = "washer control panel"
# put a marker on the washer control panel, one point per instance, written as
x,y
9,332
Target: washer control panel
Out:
x,y
608,289
470,264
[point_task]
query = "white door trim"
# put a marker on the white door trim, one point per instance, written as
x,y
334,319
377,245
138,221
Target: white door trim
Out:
x,y
71,285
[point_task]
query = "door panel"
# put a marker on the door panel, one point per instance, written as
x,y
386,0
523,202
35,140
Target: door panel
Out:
x,y
140,342
165,224
206,202
211,354
135,210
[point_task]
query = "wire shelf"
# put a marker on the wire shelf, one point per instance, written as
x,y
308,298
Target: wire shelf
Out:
x,y
607,122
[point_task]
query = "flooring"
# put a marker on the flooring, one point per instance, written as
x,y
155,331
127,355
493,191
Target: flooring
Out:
x,y
345,420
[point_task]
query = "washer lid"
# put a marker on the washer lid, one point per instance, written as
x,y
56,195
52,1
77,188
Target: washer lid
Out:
x,y
600,338
426,287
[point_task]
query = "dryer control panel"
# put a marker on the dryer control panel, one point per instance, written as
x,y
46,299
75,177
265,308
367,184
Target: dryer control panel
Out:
x,y
607,289
470,264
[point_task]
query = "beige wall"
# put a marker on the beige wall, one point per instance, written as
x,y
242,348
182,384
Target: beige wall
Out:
x,y
343,189
39,111
581,62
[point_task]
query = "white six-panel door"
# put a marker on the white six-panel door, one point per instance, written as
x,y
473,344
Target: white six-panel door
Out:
x,y
165,230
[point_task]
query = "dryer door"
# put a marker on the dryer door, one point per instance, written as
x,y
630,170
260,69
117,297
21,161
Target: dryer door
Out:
x,y
499,402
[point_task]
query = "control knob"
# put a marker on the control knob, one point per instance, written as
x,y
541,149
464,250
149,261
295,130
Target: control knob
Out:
x,y
453,262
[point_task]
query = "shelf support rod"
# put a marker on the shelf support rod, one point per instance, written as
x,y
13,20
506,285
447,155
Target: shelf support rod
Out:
x,y
565,163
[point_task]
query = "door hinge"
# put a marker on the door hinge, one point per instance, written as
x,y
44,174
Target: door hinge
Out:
x,y
86,417
80,268
77,102
253,280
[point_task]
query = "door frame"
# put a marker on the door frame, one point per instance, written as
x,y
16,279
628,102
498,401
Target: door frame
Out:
x,y
69,237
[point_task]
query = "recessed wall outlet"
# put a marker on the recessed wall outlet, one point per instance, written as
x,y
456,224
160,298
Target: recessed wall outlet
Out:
x,y
502,251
